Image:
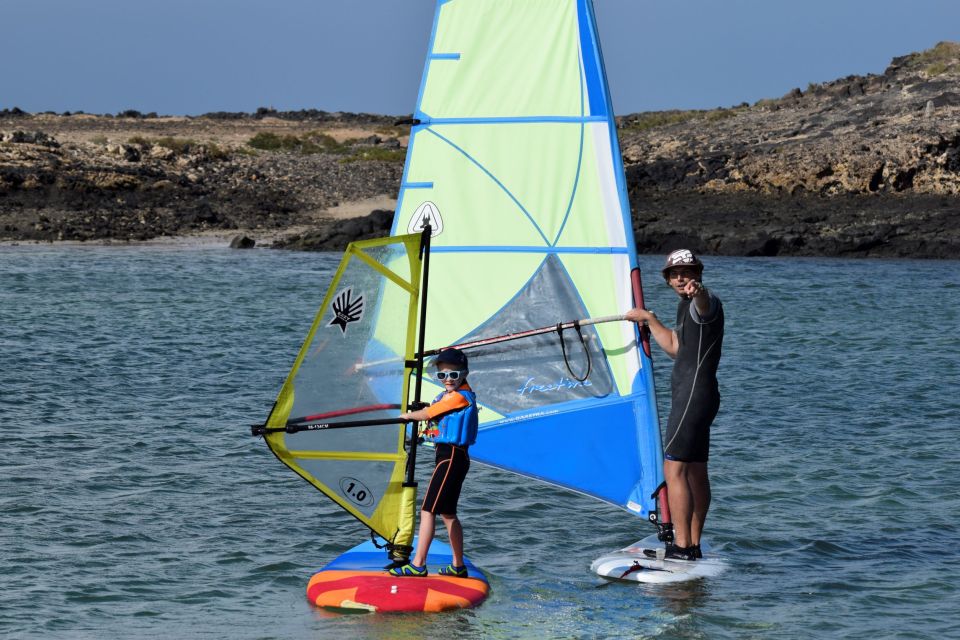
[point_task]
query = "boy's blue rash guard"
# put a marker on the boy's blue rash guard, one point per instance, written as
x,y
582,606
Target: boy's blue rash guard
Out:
x,y
458,427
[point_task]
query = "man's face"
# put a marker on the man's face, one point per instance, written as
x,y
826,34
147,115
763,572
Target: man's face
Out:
x,y
448,382
679,277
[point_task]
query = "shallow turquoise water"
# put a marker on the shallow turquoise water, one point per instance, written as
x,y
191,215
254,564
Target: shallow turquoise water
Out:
x,y
135,504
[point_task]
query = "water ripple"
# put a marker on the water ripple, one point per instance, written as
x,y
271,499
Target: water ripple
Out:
x,y
136,505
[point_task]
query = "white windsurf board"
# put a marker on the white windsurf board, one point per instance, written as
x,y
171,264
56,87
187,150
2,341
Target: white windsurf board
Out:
x,y
631,564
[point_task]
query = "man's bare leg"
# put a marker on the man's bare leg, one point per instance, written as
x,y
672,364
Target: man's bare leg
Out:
x,y
681,500
699,483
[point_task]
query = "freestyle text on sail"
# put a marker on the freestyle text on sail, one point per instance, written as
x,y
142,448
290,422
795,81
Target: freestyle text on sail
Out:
x,y
529,387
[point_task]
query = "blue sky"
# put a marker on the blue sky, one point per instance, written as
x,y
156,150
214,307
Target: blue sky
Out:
x,y
195,56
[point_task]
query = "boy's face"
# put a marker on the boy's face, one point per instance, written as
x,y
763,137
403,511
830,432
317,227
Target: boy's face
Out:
x,y
448,383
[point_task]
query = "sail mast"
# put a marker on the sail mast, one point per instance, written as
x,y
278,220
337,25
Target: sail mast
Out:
x,y
402,546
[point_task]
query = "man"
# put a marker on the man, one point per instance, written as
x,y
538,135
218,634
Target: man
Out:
x,y
695,346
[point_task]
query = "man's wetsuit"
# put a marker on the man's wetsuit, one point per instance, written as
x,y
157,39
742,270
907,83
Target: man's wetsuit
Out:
x,y
696,397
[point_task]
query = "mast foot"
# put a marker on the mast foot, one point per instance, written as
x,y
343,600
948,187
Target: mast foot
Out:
x,y
399,555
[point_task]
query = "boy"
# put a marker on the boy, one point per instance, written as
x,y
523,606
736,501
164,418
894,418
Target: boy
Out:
x,y
452,428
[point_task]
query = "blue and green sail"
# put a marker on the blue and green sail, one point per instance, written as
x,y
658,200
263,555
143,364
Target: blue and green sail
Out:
x,y
515,164
514,161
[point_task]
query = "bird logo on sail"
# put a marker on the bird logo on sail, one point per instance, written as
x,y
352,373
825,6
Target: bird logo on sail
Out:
x,y
426,213
346,309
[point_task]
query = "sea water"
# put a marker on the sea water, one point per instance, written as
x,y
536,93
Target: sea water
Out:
x,y
135,504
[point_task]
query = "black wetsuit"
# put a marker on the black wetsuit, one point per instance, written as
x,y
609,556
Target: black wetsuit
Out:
x,y
696,397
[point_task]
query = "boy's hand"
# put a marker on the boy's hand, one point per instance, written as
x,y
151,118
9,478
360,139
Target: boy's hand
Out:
x,y
419,415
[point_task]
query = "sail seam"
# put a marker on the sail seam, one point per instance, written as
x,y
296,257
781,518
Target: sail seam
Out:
x,y
379,268
347,455
576,177
583,119
530,249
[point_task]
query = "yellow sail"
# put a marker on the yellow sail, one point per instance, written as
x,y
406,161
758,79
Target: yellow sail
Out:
x,y
354,367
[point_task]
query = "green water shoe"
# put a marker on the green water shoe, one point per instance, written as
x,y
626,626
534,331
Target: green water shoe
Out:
x,y
409,570
456,572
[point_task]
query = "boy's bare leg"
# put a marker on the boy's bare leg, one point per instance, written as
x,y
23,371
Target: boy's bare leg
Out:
x,y
699,483
455,532
680,498
427,528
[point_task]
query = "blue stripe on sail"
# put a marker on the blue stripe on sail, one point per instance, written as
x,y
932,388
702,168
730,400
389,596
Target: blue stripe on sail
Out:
x,y
495,180
416,185
444,56
590,54
527,249
514,120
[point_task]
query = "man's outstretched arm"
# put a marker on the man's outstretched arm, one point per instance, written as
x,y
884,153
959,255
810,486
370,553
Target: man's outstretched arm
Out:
x,y
665,337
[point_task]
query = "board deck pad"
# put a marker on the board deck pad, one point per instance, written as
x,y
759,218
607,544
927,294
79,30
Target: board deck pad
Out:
x,y
631,564
356,581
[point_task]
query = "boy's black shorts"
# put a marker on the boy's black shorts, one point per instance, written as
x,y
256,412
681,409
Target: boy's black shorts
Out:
x,y
444,491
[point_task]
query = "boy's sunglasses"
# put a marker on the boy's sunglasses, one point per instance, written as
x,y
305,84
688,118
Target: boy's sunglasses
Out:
x,y
453,375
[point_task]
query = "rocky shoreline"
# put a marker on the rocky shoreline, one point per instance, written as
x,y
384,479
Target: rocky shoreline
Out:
x,y
82,177
863,166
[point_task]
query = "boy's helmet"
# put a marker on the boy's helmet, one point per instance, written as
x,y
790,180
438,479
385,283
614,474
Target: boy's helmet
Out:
x,y
451,356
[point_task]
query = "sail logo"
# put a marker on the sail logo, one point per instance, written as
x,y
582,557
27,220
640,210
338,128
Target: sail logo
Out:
x,y
426,213
530,387
358,492
346,309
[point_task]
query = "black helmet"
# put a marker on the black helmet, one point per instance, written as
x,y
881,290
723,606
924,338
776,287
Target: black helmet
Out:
x,y
451,355
681,258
